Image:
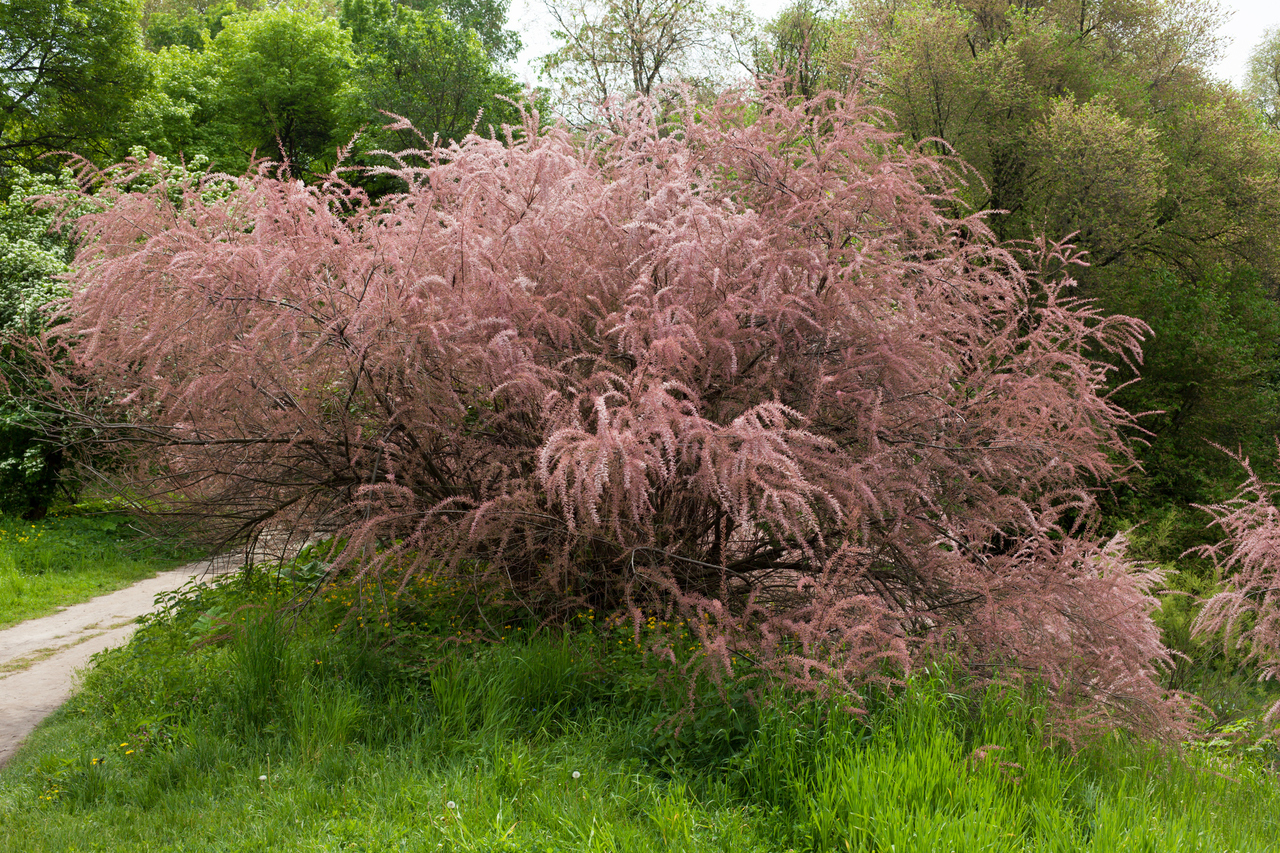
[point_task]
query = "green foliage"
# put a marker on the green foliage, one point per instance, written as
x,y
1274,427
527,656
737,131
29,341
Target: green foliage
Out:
x,y
484,20
1106,176
283,78
69,71
32,256
1211,371
191,28
298,83
1263,83
182,116
421,65
1101,120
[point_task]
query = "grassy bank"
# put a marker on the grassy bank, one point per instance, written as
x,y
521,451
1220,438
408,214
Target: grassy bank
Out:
x,y
71,557
376,721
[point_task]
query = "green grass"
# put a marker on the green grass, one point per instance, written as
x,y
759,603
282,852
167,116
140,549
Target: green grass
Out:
x,y
381,721
69,558
933,771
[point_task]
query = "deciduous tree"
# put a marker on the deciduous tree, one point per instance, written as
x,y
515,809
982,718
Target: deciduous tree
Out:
x,y
189,26
1263,82
615,49
284,77
69,70
424,67
184,115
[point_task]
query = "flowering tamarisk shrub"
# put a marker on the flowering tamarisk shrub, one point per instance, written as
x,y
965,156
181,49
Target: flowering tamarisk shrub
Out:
x,y
1245,613
738,366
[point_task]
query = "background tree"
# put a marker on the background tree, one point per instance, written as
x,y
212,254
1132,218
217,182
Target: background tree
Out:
x,y
1102,177
284,78
426,68
1262,85
1100,121
33,255
486,18
738,368
184,115
1209,378
318,79
69,71
614,49
189,27
798,43
991,80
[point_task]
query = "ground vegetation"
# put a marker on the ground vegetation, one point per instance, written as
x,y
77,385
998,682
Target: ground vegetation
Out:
x,y
376,719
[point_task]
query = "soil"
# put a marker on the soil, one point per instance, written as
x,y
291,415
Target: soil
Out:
x,y
39,658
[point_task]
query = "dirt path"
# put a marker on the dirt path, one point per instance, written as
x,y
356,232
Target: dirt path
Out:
x,y
39,657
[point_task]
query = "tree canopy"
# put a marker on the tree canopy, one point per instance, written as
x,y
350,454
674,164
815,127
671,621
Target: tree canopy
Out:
x,y
1263,83
612,50
424,67
69,71
284,75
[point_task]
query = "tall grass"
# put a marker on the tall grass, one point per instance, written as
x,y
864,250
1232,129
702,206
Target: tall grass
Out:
x,y
936,770
382,721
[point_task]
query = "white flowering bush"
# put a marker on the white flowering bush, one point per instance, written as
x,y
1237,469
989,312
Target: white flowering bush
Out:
x,y
33,257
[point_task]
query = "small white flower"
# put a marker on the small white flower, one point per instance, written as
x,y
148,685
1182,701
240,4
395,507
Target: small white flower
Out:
x,y
262,778
451,805
577,775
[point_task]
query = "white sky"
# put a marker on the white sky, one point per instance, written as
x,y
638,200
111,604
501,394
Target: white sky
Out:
x,y
1250,19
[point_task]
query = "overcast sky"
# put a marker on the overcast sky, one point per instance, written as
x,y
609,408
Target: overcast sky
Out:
x,y
1250,19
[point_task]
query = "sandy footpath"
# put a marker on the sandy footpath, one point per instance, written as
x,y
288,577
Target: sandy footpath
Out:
x,y
39,657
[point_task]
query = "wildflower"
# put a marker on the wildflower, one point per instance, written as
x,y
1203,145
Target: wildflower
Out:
x,y
576,775
451,805
262,778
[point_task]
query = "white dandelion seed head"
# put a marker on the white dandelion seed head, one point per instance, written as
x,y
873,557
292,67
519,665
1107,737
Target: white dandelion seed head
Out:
x,y
262,778
577,775
451,805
